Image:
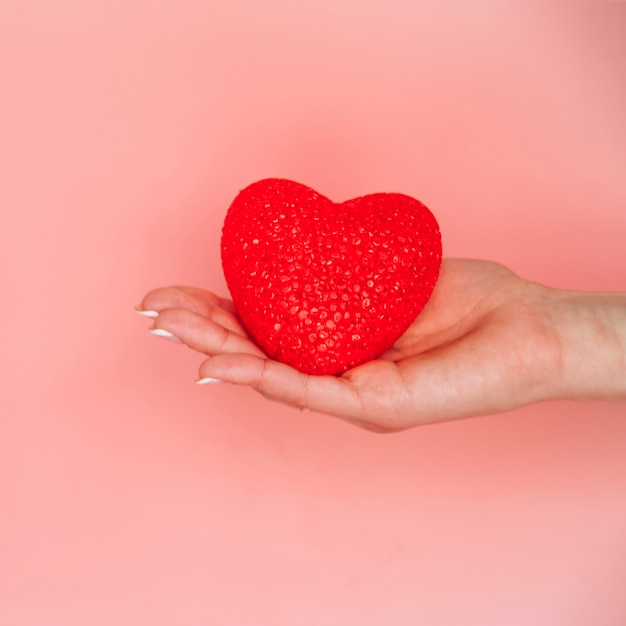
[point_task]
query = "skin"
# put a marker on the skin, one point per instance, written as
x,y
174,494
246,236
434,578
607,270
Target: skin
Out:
x,y
487,342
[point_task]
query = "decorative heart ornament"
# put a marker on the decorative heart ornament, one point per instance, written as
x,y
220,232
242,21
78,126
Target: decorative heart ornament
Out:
x,y
321,286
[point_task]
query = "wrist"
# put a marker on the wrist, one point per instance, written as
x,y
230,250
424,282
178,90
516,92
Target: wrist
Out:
x,y
590,331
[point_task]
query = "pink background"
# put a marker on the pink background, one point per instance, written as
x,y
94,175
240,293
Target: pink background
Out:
x,y
131,496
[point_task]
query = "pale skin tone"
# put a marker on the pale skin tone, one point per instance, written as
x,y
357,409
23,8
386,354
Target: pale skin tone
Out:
x,y
488,341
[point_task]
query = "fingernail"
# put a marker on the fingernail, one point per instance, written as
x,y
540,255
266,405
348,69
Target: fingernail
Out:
x,y
208,381
147,313
159,332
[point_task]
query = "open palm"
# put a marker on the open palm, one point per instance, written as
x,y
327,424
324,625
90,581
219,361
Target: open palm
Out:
x,y
481,345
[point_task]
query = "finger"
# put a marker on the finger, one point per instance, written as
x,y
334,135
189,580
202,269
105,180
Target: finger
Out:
x,y
203,334
195,300
224,303
279,382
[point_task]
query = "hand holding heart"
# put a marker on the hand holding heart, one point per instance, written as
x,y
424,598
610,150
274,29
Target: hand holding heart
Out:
x,y
347,309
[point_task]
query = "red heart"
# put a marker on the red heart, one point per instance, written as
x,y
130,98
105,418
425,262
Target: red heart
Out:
x,y
324,287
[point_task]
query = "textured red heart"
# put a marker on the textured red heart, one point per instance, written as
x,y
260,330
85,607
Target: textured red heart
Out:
x,y
321,286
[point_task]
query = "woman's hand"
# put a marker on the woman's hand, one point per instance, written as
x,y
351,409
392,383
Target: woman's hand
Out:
x,y
488,341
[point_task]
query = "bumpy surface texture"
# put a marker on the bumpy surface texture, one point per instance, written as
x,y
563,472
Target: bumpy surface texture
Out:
x,y
321,286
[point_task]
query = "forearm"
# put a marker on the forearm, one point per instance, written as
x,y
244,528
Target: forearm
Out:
x,y
590,332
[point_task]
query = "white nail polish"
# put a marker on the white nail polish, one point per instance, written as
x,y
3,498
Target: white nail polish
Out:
x,y
208,381
159,332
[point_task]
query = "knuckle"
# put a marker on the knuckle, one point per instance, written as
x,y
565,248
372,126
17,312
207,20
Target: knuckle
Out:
x,y
223,337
